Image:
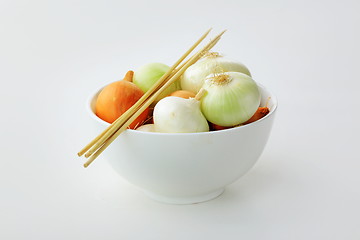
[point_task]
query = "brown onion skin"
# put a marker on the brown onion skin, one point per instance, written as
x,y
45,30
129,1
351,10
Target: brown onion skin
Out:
x,y
183,94
116,98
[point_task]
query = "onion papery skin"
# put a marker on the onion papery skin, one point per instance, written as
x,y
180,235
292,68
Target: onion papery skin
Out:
x,y
116,98
179,115
194,77
230,102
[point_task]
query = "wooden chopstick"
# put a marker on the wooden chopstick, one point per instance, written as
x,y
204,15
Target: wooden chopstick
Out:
x,y
100,139
122,127
203,53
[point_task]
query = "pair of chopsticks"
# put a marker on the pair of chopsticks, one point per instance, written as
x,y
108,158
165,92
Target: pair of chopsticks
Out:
x,y
102,141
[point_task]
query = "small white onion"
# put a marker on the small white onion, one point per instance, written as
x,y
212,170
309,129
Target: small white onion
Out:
x,y
231,98
179,115
194,77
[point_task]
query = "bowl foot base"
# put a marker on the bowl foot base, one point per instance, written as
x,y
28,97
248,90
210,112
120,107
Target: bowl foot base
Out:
x,y
184,200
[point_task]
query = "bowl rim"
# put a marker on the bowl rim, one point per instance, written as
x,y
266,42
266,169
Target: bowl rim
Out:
x,y
106,124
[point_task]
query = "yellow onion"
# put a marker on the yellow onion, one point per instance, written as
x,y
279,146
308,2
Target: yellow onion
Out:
x,y
231,98
193,78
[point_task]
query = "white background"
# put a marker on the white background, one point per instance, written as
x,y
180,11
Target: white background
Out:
x,y
53,54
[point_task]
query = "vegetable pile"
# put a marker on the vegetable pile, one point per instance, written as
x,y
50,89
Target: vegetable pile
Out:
x,y
213,94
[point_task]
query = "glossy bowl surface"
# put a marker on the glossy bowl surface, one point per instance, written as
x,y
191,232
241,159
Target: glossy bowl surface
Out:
x,y
185,168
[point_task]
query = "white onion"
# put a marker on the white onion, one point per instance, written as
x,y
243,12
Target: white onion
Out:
x,y
179,115
193,78
231,98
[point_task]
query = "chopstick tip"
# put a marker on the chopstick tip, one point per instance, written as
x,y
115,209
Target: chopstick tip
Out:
x,y
206,33
222,32
89,161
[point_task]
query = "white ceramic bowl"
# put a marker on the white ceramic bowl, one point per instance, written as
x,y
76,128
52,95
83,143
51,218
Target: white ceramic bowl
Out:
x,y
185,168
